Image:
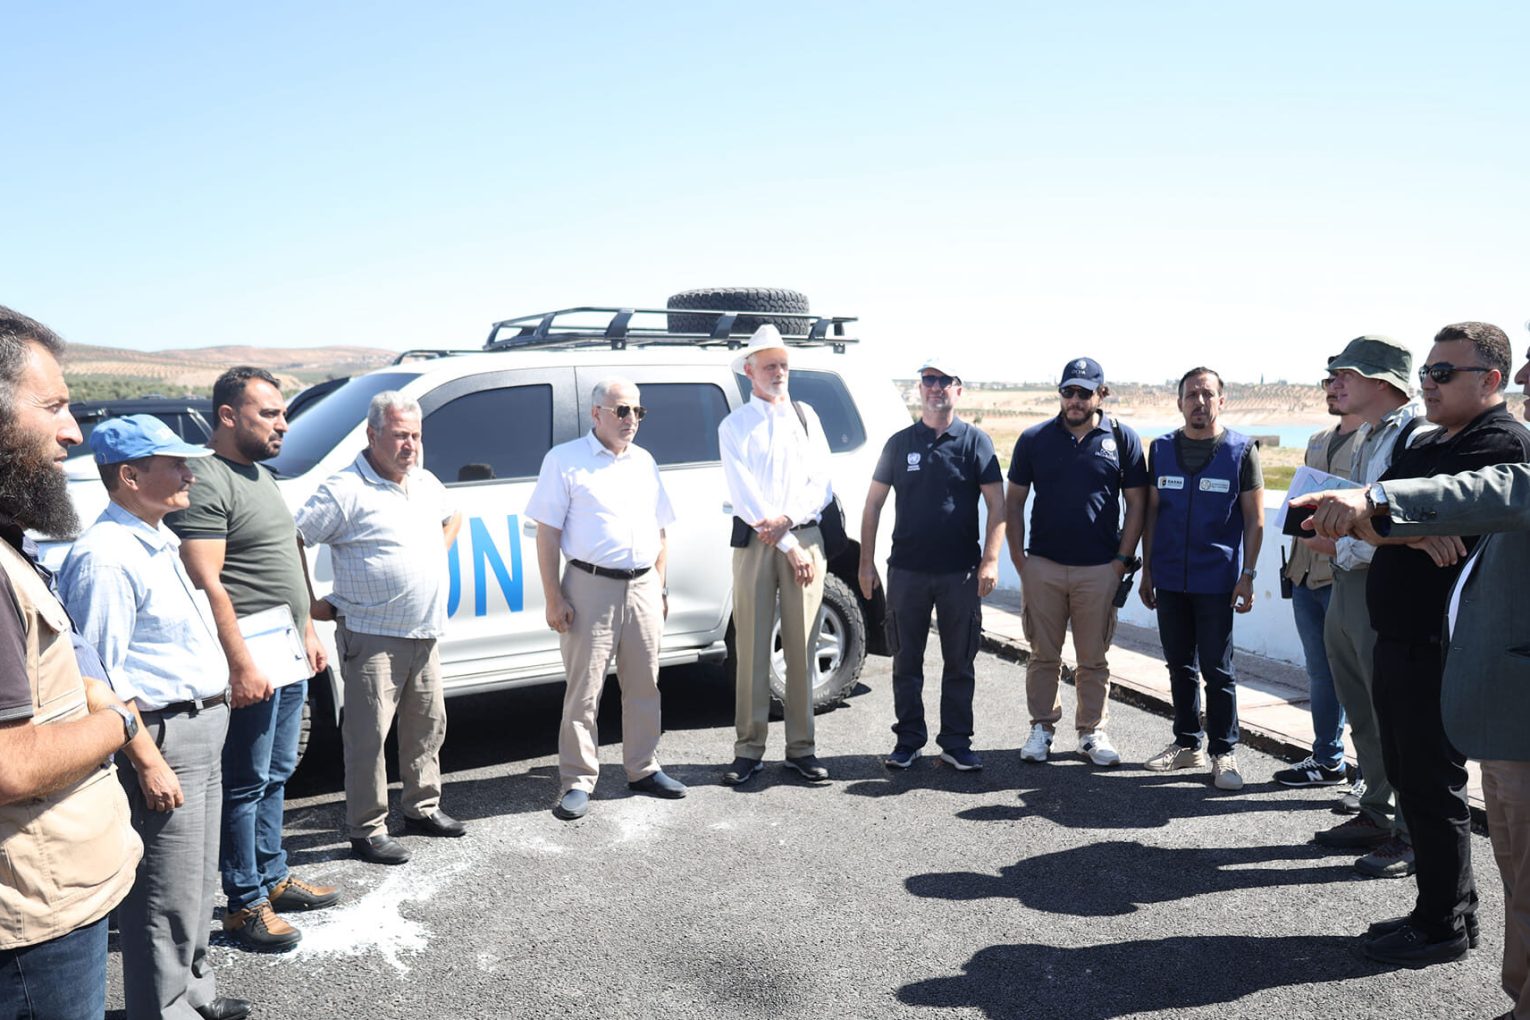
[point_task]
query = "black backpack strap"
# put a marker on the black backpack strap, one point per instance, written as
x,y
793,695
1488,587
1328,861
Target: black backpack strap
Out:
x,y
802,418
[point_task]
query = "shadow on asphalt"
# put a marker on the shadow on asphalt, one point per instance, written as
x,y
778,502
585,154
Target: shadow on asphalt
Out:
x,y
1117,877
1133,978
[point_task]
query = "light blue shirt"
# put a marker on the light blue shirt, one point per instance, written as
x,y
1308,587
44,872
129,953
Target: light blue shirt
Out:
x,y
131,599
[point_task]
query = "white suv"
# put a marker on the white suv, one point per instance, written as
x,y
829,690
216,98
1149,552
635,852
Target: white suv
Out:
x,y
490,416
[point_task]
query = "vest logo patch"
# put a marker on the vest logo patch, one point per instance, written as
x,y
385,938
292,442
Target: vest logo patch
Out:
x,y
913,461
1215,485
1171,481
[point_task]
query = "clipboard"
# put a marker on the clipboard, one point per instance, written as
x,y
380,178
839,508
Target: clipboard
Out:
x,y
275,644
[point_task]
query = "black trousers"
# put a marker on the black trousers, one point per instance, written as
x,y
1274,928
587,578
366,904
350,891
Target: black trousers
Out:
x,y
911,595
1429,778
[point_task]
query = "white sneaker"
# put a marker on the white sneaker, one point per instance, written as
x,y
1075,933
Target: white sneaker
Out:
x,y
1098,747
1176,757
1224,772
1038,745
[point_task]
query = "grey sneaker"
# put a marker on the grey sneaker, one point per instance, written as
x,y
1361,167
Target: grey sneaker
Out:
x,y
1176,757
1392,859
1224,772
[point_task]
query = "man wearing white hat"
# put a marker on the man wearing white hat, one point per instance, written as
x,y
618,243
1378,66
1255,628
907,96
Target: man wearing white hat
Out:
x,y
776,462
132,599
939,466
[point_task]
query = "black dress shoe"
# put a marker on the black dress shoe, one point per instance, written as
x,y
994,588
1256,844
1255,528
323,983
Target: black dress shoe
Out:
x,y
809,767
1387,927
659,785
380,850
741,771
1410,947
225,1007
437,823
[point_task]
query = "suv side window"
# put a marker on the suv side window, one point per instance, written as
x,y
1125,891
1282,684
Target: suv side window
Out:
x,y
826,392
681,427
497,433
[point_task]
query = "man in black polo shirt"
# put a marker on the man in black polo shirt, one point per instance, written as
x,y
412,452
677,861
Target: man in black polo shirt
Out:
x,y
1081,464
938,466
1407,591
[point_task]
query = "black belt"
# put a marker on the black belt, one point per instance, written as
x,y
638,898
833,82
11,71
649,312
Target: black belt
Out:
x,y
190,707
614,573
810,524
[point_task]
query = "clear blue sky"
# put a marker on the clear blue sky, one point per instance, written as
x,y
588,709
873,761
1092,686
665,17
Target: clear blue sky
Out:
x,y
1157,185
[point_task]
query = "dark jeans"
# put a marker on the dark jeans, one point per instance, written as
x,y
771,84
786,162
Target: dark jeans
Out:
x,y
1197,630
259,756
1309,606
1429,779
61,979
911,595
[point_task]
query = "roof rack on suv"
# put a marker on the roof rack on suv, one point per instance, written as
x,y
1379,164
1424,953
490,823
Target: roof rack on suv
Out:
x,y
542,330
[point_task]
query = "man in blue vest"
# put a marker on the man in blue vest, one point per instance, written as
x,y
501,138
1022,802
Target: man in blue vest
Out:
x,y
1205,501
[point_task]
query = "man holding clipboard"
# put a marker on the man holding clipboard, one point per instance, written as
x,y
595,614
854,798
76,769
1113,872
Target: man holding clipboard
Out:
x,y
240,546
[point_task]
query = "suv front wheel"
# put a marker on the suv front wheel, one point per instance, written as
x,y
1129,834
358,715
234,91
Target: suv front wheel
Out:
x,y
837,648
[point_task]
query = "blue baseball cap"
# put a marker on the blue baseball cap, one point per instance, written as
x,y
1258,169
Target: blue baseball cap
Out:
x,y
1084,372
139,435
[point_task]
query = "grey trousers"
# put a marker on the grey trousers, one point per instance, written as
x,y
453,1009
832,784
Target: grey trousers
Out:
x,y
166,918
1351,645
384,677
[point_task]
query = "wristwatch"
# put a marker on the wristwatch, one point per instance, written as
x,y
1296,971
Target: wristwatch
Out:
x,y
1250,572
129,723
1376,499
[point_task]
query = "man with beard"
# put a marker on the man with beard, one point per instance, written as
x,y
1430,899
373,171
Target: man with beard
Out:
x,y
1311,575
70,849
124,584
388,523
240,547
1081,464
939,466
1207,500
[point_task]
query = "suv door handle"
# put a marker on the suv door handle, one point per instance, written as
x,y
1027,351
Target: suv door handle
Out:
x,y
727,508
529,528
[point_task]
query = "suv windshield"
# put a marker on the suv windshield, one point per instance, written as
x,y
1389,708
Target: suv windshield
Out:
x,y
330,420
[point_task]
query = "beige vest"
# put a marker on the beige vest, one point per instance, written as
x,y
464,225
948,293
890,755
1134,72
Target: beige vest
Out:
x,y
68,858
1305,566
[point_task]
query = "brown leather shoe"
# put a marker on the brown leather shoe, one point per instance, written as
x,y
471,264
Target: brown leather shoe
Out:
x,y
292,893
259,927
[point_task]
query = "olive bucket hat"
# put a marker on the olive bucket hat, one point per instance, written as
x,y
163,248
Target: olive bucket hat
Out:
x,y
1377,357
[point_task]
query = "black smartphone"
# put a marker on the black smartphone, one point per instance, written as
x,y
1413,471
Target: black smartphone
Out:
x,y
1294,517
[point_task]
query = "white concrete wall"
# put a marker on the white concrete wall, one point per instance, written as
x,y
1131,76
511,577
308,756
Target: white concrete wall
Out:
x,y
1268,629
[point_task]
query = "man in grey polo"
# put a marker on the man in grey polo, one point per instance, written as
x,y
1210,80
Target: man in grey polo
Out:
x,y
131,598
388,523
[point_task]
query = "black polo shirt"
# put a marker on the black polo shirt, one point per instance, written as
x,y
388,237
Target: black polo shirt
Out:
x,y
1404,591
936,482
1077,483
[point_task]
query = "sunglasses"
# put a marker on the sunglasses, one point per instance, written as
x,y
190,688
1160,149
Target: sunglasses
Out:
x,y
942,381
1444,371
1075,392
622,410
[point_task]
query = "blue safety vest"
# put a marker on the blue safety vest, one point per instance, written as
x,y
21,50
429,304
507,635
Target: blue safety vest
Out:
x,y
1200,522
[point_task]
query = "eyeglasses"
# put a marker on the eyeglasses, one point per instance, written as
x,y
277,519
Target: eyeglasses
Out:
x,y
1075,392
1443,371
622,410
941,381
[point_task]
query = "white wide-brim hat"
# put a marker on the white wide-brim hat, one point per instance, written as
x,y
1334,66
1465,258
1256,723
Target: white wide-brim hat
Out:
x,y
766,338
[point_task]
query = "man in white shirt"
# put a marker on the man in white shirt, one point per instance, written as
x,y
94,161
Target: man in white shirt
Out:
x,y
131,598
599,501
776,463
388,523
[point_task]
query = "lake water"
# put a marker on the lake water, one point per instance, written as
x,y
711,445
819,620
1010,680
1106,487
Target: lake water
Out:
x,y
1291,436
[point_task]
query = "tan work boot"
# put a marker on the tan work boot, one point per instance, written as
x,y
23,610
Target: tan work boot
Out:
x,y
259,927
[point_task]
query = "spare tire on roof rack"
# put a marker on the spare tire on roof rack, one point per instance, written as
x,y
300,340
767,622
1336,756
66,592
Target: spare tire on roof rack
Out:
x,y
740,299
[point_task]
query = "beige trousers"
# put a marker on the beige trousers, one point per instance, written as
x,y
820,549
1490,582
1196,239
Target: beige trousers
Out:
x,y
385,676
1054,596
624,619
1506,792
760,573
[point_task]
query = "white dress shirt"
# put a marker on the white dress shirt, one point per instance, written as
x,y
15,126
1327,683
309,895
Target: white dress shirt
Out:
x,y
772,467
609,507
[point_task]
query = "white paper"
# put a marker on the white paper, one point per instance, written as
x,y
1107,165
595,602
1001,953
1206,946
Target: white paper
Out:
x,y
1307,480
276,645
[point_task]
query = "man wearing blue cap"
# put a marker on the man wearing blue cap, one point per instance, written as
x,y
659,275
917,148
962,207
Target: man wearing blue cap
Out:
x,y
1082,464
124,584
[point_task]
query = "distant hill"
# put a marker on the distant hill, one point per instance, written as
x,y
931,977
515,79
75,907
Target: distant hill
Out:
x,y
97,373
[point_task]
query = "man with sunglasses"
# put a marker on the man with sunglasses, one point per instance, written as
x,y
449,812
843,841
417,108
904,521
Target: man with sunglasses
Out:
x,y
599,501
1082,464
1407,591
1372,378
938,466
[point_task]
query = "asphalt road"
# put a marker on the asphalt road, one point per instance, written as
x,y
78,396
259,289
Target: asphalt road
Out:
x,y
1057,890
